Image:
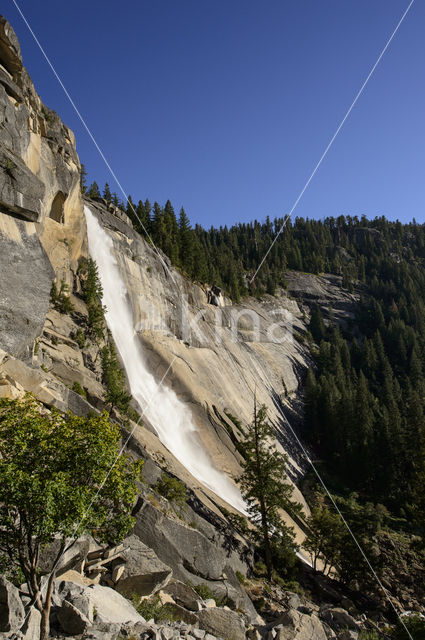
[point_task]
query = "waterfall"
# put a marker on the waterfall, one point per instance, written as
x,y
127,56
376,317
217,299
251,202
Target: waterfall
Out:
x,y
171,419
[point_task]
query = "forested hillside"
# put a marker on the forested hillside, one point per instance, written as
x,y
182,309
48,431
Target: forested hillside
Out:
x,y
365,399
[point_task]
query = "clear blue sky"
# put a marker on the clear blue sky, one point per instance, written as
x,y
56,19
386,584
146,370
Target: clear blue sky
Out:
x,y
225,106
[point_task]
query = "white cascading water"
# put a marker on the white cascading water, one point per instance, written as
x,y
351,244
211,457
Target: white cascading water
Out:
x,y
171,419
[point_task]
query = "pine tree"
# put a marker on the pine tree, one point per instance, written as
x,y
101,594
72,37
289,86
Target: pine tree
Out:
x,y
94,191
83,179
143,218
325,533
107,193
186,243
317,326
266,488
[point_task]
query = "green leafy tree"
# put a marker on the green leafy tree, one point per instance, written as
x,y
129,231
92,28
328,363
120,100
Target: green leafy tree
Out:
x,y
266,488
60,477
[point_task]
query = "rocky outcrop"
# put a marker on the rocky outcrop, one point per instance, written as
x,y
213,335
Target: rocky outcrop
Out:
x,y
26,281
337,618
325,291
39,183
19,378
12,613
187,550
223,623
294,625
143,573
183,594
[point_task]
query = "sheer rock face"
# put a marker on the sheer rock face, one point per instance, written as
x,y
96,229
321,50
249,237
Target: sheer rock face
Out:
x,y
26,279
39,183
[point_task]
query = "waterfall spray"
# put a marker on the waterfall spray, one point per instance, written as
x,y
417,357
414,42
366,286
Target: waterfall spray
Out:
x,y
169,416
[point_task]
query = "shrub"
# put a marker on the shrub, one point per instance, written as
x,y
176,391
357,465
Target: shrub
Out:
x,y
172,489
152,608
80,338
241,578
415,625
203,591
79,389
368,635
260,569
149,608
60,298
8,166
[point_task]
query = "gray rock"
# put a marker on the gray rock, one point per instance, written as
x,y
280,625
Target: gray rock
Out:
x,y
237,596
38,160
183,594
20,190
347,634
103,631
72,620
25,285
31,628
179,546
223,623
144,574
182,614
71,558
134,629
337,618
12,611
293,625
330,633
209,603
99,604
110,606
294,601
